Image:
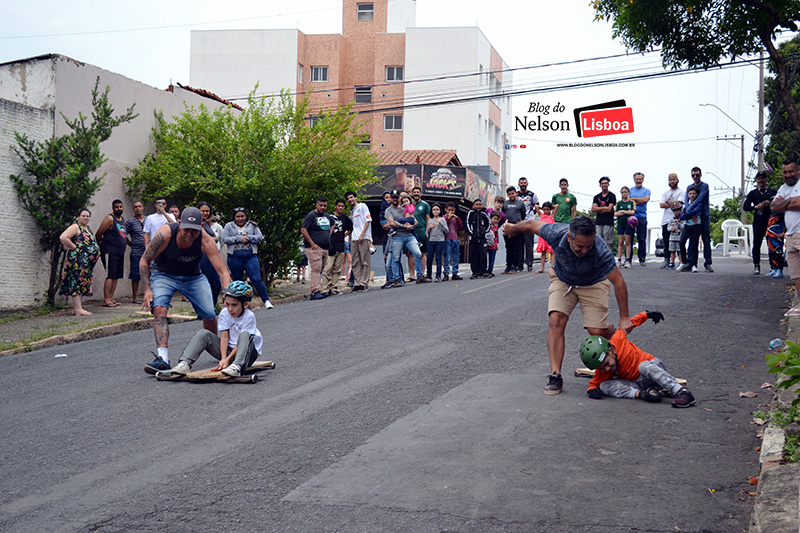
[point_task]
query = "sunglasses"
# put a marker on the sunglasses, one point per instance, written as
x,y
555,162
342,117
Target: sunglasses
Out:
x,y
695,175
239,210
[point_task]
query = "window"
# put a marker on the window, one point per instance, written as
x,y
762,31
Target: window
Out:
x,y
313,120
319,74
363,95
393,122
299,73
365,11
364,144
394,73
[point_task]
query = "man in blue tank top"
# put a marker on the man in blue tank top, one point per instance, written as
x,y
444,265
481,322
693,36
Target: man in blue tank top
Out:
x,y
171,263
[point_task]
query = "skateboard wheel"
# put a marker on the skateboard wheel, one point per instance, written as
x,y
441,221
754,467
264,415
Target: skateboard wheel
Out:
x,y
272,365
577,374
253,378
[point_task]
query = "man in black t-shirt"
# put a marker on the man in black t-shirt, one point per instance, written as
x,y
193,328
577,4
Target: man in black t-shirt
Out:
x,y
758,201
342,227
113,243
316,230
603,207
515,211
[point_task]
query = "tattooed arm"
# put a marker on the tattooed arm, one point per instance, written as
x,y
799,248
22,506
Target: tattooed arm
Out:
x,y
157,245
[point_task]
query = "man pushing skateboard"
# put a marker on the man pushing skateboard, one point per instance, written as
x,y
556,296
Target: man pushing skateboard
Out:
x,y
174,252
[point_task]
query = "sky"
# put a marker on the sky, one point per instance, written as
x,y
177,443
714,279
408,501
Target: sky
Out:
x,y
149,41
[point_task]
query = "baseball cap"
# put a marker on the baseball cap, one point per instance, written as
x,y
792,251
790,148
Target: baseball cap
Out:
x,y
395,193
191,219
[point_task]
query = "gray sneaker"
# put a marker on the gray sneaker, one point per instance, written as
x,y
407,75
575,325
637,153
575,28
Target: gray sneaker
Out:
x,y
233,371
181,368
709,269
555,384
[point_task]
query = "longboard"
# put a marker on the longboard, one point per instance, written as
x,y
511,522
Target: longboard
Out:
x,y
588,373
209,375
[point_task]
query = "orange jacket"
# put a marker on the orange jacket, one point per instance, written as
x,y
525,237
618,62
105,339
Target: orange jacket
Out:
x,y
629,356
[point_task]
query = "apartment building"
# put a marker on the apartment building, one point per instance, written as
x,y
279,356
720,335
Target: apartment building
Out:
x,y
419,88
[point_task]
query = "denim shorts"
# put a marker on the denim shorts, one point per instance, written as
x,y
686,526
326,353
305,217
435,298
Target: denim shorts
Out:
x,y
195,288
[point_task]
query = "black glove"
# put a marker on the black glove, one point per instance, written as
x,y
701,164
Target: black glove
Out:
x,y
594,394
655,316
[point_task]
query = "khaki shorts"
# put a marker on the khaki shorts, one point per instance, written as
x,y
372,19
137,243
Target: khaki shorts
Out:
x,y
793,254
593,300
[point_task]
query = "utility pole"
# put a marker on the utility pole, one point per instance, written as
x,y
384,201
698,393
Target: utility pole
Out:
x,y
741,184
760,132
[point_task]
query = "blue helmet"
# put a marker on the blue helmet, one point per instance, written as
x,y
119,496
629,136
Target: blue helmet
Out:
x,y
240,290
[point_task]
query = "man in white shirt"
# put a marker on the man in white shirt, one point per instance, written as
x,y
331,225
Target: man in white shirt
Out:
x,y
360,241
788,201
672,197
156,220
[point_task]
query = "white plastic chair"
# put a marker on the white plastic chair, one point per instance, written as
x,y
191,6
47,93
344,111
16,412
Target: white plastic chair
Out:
x,y
734,232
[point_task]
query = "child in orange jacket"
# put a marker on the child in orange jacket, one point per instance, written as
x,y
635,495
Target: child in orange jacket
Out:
x,y
623,370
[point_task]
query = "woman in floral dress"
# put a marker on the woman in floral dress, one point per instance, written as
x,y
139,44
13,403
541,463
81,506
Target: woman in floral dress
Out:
x,y
82,255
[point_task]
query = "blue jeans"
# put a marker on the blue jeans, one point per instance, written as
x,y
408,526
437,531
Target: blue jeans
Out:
x,y
410,243
435,250
195,288
492,255
452,255
241,261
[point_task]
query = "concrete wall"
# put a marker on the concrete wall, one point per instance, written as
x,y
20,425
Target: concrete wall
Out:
x,y
229,63
33,93
402,14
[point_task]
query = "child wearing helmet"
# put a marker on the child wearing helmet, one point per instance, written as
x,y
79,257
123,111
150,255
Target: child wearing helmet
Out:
x,y
623,370
239,342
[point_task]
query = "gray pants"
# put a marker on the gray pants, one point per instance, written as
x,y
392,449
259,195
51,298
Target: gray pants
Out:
x,y
204,340
529,237
652,373
606,233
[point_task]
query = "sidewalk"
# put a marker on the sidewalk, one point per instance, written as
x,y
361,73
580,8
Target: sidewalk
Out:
x,y
62,327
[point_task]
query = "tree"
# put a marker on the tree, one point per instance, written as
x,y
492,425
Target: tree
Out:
x,y
701,33
784,142
56,182
265,158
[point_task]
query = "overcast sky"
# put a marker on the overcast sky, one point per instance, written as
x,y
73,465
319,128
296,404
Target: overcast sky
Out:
x,y
149,41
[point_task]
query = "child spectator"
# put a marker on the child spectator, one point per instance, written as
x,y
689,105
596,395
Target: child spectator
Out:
x,y
452,246
776,230
691,232
542,247
623,211
436,231
623,370
675,227
237,333
496,220
498,208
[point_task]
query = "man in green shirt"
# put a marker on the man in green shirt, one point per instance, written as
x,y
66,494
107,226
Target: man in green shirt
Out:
x,y
564,203
422,212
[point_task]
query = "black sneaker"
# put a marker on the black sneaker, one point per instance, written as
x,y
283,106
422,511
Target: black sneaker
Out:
x,y
709,269
387,285
158,365
555,384
757,270
475,276
683,398
456,277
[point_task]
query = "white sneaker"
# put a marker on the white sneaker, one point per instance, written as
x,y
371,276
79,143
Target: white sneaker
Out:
x,y
268,305
181,368
694,270
627,264
233,371
678,266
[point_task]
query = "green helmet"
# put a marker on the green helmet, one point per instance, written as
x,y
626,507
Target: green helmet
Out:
x,y
239,290
594,350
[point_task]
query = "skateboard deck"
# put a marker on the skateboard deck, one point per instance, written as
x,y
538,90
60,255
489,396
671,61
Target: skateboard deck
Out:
x,y
588,373
209,375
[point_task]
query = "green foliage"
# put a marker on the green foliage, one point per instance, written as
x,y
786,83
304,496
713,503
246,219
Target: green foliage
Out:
x,y
791,448
56,182
266,158
787,363
702,33
784,141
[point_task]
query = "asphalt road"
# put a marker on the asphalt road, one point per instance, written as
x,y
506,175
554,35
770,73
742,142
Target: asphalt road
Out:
x,y
415,409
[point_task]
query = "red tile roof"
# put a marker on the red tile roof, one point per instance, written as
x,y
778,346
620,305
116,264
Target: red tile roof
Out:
x,y
419,157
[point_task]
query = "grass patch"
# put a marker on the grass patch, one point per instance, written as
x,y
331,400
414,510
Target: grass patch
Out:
x,y
64,329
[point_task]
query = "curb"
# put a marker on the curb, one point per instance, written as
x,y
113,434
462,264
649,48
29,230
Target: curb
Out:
x,y
777,504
